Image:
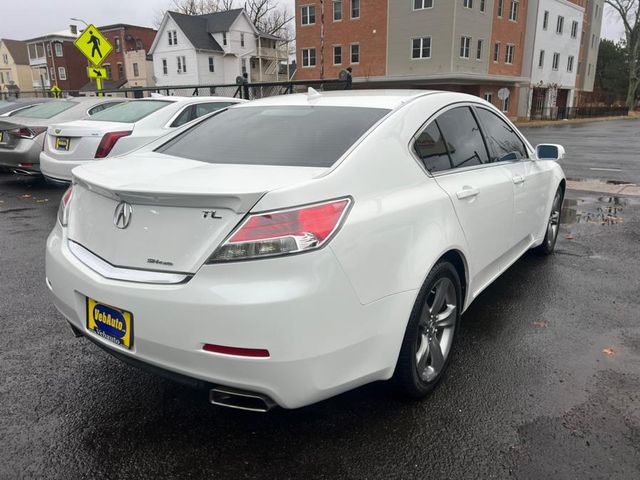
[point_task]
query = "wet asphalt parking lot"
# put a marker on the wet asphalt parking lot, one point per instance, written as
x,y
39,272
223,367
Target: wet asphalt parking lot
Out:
x,y
544,383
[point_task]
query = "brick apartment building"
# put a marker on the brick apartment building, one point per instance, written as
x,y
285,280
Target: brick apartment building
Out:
x,y
473,46
55,60
127,61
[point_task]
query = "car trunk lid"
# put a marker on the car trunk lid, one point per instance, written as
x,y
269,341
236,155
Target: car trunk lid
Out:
x,y
181,210
80,140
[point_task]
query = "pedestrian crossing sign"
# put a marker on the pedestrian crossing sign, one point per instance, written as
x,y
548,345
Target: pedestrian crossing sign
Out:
x,y
93,45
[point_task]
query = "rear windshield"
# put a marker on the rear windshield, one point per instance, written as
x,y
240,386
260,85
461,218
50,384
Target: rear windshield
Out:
x,y
291,136
129,112
47,110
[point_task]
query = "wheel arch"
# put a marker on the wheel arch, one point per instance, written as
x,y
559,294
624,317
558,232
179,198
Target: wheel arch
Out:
x,y
459,261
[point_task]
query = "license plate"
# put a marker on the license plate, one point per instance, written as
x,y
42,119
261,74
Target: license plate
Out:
x,y
111,323
62,143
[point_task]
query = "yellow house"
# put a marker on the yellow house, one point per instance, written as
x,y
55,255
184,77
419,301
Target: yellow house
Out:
x,y
14,66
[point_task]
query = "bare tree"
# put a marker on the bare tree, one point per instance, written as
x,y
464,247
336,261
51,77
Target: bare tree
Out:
x,y
267,15
629,13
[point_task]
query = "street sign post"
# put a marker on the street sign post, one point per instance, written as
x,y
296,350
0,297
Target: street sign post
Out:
x,y
96,48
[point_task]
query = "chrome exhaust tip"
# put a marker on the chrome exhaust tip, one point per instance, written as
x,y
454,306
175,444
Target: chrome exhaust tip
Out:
x,y
240,399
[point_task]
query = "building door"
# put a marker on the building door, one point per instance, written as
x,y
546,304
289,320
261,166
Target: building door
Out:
x,y
561,102
537,102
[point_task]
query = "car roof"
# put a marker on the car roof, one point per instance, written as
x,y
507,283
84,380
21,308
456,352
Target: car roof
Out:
x,y
389,99
190,99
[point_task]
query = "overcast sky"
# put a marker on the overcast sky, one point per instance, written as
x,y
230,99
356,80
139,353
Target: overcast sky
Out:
x,y
22,19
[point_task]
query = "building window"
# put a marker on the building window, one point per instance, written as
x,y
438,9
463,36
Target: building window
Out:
x,y
505,104
182,64
48,50
556,61
500,8
482,5
308,14
337,10
244,66
5,58
224,38
574,29
560,25
52,74
62,73
508,54
355,8
58,48
107,67
541,59
593,40
337,54
421,47
173,37
496,52
355,53
211,65
488,97
465,46
467,3
545,20
422,4
165,69
242,39
513,10
136,70
120,71
570,64
139,44
589,70
479,50
118,46
597,10
308,57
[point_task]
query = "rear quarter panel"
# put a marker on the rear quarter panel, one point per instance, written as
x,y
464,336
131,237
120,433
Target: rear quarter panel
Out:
x,y
401,221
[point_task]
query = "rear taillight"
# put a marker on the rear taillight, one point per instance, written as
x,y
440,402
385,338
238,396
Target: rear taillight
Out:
x,y
283,232
27,132
63,209
108,141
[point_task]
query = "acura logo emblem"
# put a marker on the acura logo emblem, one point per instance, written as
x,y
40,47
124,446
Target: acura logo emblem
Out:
x,y
122,215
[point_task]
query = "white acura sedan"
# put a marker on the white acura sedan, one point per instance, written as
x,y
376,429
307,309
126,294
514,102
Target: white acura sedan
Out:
x,y
299,246
118,130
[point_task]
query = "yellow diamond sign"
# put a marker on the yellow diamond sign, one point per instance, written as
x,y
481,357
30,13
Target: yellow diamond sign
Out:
x,y
93,45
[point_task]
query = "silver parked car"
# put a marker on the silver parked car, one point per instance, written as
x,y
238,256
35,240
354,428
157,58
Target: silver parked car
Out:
x,y
22,136
10,108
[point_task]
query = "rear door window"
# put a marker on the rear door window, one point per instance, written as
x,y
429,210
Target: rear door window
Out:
x,y
130,112
504,143
48,110
196,111
101,107
307,136
463,138
431,149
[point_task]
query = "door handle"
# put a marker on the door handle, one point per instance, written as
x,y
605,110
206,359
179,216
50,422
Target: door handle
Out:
x,y
518,179
467,192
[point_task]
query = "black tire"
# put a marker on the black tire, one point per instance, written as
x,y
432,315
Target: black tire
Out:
x,y
548,245
417,381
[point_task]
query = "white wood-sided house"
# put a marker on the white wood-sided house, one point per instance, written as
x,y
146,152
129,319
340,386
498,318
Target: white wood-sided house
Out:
x,y
214,49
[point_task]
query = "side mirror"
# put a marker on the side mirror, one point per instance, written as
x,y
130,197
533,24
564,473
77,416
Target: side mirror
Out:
x,y
549,151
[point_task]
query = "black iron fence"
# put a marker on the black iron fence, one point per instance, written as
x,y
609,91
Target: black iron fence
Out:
x,y
247,91
568,113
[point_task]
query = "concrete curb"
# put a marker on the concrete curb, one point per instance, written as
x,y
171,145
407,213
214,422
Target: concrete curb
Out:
x,y
575,121
629,189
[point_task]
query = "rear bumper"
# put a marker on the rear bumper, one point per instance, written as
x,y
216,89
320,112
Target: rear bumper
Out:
x,y
24,158
302,309
58,170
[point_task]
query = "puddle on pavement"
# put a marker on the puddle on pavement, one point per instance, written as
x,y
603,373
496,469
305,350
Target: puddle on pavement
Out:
x,y
605,210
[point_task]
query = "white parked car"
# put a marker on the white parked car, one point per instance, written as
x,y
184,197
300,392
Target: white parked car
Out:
x,y
299,246
119,130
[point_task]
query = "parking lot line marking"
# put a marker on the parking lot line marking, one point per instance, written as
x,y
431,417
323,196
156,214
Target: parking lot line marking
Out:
x,y
606,169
